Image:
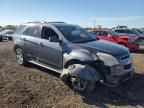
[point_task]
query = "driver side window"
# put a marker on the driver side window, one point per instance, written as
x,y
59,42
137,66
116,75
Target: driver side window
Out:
x,y
48,32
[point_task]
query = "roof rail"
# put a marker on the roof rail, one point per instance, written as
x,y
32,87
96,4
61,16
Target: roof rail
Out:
x,y
57,22
37,22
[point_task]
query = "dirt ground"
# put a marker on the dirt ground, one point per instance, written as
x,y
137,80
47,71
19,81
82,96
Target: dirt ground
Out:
x,y
35,87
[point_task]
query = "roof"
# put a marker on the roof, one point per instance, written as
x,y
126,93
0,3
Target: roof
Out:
x,y
57,23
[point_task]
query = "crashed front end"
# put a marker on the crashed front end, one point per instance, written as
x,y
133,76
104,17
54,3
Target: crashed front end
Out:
x,y
115,71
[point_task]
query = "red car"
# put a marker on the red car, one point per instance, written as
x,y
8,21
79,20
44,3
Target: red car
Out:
x,y
122,39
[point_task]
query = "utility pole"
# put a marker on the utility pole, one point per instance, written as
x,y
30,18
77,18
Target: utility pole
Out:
x,y
94,23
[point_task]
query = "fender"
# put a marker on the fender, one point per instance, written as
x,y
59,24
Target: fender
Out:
x,y
18,43
85,72
79,55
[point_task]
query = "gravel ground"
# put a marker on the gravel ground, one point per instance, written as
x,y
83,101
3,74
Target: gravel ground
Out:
x,y
35,87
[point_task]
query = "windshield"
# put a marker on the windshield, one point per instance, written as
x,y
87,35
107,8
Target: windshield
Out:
x,y
138,30
76,34
114,33
133,32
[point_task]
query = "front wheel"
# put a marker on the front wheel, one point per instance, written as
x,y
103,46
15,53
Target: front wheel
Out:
x,y
82,85
77,83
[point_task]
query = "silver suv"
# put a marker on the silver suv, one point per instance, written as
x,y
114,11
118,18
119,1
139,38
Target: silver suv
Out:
x,y
78,56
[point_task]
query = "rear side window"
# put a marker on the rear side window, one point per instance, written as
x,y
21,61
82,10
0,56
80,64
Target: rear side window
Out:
x,y
19,29
34,31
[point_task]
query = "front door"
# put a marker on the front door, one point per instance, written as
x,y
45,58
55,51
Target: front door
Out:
x,y
50,53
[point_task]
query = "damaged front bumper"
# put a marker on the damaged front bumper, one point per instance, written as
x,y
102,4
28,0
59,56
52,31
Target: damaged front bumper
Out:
x,y
119,73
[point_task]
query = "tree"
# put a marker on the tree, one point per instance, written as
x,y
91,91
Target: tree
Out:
x,y
10,27
99,26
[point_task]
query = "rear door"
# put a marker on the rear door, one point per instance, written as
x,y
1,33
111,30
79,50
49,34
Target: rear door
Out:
x,y
31,38
50,53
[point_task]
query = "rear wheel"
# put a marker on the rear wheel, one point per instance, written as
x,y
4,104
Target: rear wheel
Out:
x,y
140,41
20,57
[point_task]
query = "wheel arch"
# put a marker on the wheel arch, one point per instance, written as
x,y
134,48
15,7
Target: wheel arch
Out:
x,y
16,46
73,61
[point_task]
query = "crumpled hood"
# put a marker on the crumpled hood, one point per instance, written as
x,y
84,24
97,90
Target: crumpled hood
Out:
x,y
106,47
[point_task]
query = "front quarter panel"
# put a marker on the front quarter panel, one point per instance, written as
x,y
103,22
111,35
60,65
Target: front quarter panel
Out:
x,y
18,42
81,55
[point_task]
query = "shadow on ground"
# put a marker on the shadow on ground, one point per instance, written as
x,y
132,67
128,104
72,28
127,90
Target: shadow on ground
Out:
x,y
128,93
141,50
50,72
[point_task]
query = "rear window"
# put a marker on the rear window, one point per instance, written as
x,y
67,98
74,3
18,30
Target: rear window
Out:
x,y
33,31
19,29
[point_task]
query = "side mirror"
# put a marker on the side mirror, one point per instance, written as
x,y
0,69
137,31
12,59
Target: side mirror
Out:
x,y
109,36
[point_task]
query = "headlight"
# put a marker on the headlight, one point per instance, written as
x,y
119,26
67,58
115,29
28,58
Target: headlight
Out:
x,y
108,60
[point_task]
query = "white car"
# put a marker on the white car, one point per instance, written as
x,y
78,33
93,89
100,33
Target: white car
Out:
x,y
6,34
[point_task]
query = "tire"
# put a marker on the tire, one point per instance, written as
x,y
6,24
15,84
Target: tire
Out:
x,y
20,57
140,41
81,85
78,84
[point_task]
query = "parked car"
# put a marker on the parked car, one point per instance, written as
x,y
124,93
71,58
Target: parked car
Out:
x,y
122,39
2,36
138,30
132,32
70,50
0,29
6,34
120,27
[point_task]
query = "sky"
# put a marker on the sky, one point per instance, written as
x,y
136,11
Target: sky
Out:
x,y
108,13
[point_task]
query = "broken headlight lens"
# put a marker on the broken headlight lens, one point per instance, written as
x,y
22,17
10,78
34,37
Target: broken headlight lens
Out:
x,y
108,60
